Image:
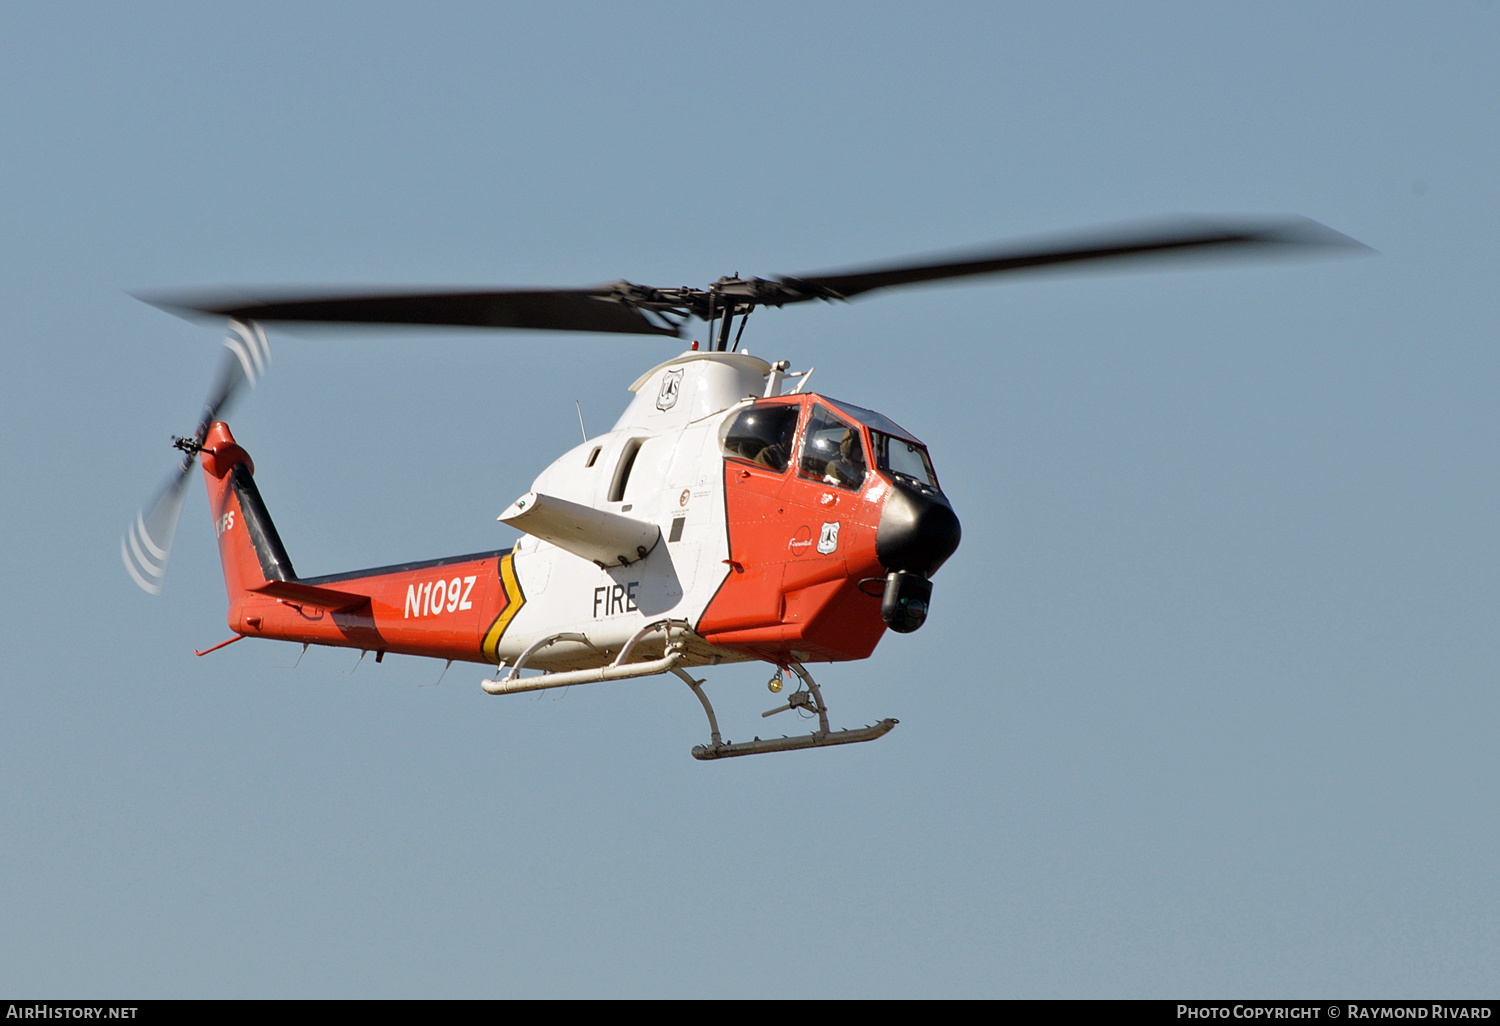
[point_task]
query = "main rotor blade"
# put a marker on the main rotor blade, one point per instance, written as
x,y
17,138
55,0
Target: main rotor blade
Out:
x,y
1180,237
595,309
624,308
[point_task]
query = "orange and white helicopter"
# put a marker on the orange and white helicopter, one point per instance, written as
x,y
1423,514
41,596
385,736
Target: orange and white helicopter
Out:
x,y
729,514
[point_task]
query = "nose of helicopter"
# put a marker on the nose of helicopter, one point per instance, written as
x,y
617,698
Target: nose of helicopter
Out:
x,y
918,531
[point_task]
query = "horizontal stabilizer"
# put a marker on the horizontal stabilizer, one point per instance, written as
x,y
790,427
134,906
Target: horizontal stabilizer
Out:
x,y
309,595
595,534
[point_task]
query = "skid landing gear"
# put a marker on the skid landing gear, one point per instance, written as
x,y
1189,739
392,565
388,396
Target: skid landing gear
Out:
x,y
810,699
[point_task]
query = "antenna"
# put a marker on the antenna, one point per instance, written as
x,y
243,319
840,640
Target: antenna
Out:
x,y
580,420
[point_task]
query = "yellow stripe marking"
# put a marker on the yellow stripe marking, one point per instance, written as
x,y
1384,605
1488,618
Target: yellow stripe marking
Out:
x,y
514,600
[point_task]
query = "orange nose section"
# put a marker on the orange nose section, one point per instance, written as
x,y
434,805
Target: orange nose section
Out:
x,y
798,551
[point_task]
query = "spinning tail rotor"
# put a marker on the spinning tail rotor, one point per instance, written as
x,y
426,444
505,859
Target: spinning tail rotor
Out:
x,y
147,543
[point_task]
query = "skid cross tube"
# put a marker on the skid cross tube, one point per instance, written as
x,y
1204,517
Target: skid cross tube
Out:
x,y
617,670
697,686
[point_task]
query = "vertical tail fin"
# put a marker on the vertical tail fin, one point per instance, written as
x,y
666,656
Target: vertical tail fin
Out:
x,y
249,547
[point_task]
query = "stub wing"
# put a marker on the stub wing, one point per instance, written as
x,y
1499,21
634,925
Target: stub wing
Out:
x,y
312,595
597,535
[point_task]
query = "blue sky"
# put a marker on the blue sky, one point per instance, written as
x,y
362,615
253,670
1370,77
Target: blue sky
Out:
x,y
1207,701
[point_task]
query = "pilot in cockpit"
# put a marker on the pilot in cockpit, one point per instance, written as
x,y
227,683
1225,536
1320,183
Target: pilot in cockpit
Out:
x,y
844,468
834,453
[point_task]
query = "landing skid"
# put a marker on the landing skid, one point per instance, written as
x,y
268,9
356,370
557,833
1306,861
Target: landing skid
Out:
x,y
811,700
808,696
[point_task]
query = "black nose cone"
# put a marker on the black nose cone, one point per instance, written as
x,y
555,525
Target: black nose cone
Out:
x,y
918,529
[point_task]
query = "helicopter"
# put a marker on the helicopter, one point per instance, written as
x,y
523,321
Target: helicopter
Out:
x,y
729,515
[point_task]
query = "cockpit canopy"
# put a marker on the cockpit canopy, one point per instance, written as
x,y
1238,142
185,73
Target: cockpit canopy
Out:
x,y
763,433
839,442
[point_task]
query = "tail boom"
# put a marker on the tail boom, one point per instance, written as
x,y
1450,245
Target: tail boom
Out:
x,y
454,608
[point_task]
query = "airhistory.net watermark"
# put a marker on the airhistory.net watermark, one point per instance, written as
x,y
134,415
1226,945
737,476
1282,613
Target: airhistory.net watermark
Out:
x,y
47,1010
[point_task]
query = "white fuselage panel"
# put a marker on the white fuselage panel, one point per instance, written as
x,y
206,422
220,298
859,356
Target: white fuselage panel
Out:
x,y
668,436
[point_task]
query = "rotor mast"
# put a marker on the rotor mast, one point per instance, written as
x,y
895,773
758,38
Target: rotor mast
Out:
x,y
729,305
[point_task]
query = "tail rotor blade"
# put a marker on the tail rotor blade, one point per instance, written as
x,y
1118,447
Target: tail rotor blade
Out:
x,y
147,543
247,355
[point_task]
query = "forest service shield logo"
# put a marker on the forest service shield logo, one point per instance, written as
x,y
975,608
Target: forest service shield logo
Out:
x,y
671,382
829,539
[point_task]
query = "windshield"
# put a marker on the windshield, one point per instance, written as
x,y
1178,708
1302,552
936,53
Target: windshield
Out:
x,y
876,421
901,458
